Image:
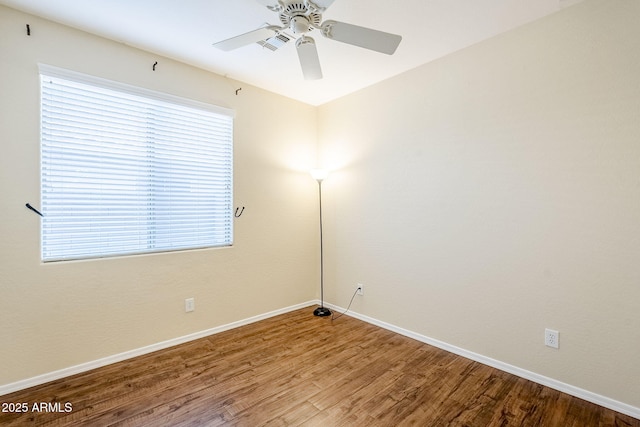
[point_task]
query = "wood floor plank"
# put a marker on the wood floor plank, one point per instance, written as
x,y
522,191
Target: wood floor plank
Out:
x,y
300,370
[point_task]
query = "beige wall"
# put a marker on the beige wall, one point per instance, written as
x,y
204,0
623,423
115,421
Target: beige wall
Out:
x,y
60,315
496,192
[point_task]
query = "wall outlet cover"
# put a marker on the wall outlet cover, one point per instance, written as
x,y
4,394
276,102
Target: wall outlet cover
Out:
x,y
551,338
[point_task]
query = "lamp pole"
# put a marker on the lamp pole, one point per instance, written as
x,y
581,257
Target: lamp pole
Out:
x,y
319,175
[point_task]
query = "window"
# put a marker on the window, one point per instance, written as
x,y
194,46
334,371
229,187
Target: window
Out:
x,y
129,171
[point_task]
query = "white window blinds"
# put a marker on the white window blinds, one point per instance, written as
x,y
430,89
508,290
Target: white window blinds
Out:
x,y
127,171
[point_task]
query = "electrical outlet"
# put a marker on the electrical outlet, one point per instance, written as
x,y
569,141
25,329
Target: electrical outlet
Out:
x,y
189,305
360,290
551,338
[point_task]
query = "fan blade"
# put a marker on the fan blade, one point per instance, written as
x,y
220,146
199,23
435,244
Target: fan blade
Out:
x,y
323,4
360,36
272,5
245,39
309,61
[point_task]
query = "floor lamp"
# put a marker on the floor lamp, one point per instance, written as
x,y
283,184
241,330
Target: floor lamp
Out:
x,y
319,175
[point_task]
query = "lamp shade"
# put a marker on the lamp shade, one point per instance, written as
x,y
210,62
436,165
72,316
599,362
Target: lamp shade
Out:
x,y
319,174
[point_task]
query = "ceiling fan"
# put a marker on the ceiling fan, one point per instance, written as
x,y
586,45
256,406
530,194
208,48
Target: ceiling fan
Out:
x,y
300,17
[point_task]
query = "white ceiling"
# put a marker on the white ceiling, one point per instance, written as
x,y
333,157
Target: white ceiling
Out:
x,y
185,30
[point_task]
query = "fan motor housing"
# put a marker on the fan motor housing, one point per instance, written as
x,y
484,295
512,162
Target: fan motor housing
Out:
x,y
299,25
299,17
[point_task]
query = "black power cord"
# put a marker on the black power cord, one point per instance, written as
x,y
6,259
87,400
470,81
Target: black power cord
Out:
x,y
333,315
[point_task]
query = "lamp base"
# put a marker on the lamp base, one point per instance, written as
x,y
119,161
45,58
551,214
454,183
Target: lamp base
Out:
x,y
322,312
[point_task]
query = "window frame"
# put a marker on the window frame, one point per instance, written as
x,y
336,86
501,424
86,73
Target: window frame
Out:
x,y
47,71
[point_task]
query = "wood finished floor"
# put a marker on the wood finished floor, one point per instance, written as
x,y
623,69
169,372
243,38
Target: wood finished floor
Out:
x,y
297,369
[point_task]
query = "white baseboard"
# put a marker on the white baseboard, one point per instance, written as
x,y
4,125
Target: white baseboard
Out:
x,y
84,367
604,401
